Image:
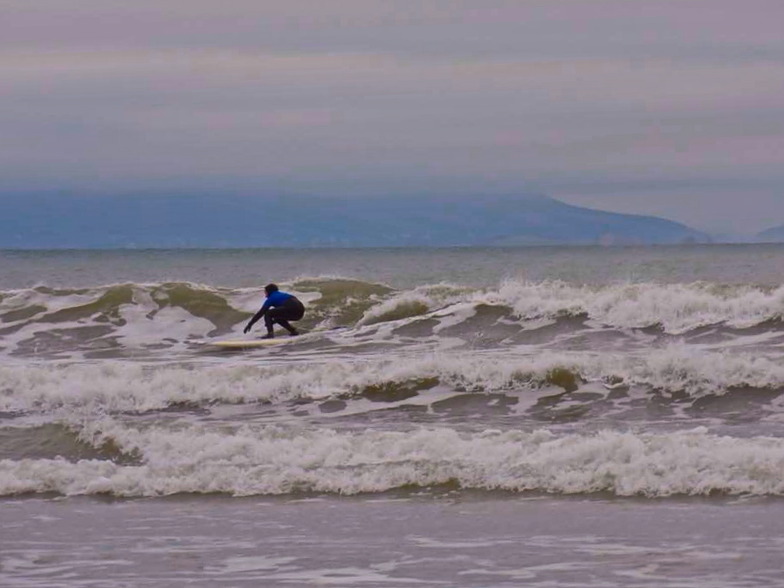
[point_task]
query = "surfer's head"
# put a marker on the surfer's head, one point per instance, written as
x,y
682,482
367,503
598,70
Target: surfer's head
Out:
x,y
270,288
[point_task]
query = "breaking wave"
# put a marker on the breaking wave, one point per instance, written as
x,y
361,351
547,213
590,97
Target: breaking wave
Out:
x,y
525,386
249,460
138,387
123,319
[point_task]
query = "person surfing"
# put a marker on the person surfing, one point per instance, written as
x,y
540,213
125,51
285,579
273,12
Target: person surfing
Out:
x,y
279,307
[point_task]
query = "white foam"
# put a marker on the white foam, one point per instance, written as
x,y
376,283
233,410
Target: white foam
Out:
x,y
679,367
252,460
148,320
675,307
170,323
129,386
409,302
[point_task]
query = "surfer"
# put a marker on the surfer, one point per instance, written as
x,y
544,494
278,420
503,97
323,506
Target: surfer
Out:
x,y
279,307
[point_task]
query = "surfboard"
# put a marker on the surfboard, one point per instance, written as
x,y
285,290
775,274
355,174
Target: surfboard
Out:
x,y
249,343
283,340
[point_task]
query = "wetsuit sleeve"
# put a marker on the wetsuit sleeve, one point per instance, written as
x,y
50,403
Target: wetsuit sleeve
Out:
x,y
258,315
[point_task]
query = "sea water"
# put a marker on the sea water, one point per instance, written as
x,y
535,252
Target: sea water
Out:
x,y
457,417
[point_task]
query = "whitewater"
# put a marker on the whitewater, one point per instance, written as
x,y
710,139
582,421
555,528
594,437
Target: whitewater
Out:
x,y
646,384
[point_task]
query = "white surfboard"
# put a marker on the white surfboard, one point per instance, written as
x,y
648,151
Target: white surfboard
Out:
x,y
250,343
253,343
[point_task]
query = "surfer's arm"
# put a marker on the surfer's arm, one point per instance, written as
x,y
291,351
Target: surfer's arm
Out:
x,y
256,318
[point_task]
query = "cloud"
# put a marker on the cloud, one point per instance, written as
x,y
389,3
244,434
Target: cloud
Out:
x,y
536,29
377,97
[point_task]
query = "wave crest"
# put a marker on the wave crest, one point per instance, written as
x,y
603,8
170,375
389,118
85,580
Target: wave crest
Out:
x,y
278,461
135,387
126,319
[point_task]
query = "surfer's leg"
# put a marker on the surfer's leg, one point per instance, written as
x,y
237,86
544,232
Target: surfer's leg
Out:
x,y
269,321
286,325
280,315
292,311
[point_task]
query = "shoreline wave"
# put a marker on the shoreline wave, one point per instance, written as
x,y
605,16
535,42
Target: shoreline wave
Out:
x,y
139,387
279,461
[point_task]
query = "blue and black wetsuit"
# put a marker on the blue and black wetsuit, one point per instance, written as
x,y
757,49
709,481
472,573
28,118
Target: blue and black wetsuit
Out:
x,y
279,307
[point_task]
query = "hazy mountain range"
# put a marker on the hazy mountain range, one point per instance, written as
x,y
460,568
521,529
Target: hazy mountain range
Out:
x,y
193,220
772,235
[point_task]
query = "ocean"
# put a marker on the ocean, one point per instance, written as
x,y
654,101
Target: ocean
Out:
x,y
463,417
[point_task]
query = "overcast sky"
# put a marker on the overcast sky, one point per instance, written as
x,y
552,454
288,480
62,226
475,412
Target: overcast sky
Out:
x,y
666,107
